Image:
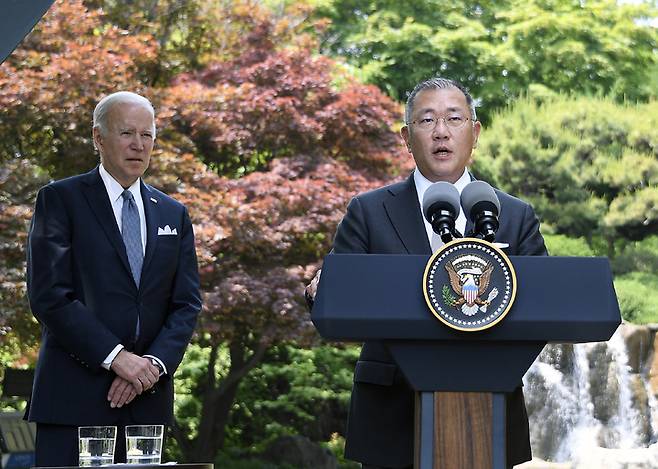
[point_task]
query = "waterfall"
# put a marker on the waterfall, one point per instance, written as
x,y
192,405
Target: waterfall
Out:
x,y
587,396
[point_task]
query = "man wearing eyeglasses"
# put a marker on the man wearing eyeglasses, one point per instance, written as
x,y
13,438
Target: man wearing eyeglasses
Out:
x,y
441,130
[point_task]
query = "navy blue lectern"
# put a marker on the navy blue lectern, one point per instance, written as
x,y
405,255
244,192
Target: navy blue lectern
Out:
x,y
380,297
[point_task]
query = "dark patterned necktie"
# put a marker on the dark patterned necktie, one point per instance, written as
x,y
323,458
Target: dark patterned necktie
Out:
x,y
132,234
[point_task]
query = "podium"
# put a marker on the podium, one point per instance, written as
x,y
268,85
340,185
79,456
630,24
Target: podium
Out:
x,y
461,377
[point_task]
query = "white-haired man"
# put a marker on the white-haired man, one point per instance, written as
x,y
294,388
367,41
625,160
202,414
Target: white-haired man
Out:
x,y
112,278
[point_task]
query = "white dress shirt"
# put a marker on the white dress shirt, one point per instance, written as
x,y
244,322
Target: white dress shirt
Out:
x,y
114,191
422,183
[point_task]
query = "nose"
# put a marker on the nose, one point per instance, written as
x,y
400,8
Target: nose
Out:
x,y
440,129
138,142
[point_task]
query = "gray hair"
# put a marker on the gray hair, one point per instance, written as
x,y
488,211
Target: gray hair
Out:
x,y
104,106
437,83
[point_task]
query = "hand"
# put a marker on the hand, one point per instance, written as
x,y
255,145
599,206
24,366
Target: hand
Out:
x,y
121,392
138,371
312,288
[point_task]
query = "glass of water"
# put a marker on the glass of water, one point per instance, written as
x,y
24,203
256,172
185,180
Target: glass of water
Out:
x,y
96,445
144,444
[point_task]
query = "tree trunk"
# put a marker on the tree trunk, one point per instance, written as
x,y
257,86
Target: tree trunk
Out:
x,y
217,401
212,427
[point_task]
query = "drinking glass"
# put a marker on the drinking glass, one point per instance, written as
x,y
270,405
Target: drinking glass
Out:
x,y
144,444
96,445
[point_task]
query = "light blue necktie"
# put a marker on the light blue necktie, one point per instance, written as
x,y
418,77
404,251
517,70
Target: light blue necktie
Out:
x,y
131,231
132,234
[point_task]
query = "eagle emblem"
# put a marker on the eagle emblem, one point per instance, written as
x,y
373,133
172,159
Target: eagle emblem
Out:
x,y
469,278
469,284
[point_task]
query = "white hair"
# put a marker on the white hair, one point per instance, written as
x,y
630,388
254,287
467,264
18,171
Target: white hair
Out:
x,y
104,106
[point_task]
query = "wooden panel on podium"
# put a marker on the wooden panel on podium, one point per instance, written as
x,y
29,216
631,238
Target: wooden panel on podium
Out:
x,y
463,430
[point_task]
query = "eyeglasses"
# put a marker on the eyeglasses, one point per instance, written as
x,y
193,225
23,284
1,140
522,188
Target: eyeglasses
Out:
x,y
454,121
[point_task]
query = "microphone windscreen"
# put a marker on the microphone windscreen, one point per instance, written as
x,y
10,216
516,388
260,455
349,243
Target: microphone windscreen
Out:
x,y
478,191
444,193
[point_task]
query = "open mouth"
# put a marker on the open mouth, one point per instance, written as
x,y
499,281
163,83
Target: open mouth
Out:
x,y
442,151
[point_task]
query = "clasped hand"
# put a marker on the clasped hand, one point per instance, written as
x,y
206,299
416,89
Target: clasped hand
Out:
x,y
134,375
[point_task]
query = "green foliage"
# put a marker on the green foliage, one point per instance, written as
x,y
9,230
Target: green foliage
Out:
x,y
187,406
497,48
637,297
560,245
12,355
337,447
294,391
588,165
639,256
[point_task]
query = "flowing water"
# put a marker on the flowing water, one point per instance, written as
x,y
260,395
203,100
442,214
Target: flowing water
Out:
x,y
580,397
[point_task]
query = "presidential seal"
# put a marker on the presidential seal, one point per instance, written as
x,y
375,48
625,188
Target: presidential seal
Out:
x,y
469,284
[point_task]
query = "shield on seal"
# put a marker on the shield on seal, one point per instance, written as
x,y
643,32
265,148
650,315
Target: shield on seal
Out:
x,y
469,284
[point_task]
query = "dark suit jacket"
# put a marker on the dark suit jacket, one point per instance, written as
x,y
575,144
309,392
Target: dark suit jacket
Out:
x,y
381,420
82,292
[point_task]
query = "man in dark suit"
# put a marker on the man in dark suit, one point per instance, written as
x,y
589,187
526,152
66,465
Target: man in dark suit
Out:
x,y
112,278
441,130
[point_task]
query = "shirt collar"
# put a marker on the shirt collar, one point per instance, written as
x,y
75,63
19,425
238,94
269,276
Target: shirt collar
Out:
x,y
463,181
114,189
422,183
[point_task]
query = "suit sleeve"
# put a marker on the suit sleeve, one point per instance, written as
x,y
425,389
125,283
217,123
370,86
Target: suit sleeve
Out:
x,y
184,306
352,232
531,242
50,284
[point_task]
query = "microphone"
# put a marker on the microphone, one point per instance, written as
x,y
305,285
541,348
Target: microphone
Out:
x,y
482,207
441,207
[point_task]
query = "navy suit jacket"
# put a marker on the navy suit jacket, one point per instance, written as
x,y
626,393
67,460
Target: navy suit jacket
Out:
x,y
82,292
381,419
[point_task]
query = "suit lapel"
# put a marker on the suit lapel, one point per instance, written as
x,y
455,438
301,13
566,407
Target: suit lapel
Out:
x,y
403,210
152,213
96,195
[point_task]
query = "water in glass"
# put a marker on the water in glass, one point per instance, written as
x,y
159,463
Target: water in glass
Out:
x,y
96,451
143,449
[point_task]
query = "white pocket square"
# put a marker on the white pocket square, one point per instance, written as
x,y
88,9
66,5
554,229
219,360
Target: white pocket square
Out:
x,y
167,231
498,245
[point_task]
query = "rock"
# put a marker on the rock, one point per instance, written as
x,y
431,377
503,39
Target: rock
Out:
x,y
300,452
653,371
546,400
596,395
603,382
638,345
559,356
640,403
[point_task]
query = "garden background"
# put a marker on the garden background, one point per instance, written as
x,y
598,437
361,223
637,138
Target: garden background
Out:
x,y
271,114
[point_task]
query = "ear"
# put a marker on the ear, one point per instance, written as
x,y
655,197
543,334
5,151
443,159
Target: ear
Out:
x,y
404,133
477,127
98,138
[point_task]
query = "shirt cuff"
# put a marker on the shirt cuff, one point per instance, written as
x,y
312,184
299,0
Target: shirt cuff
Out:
x,y
107,363
164,368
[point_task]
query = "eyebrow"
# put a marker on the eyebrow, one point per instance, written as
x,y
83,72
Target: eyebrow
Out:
x,y
133,129
450,109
